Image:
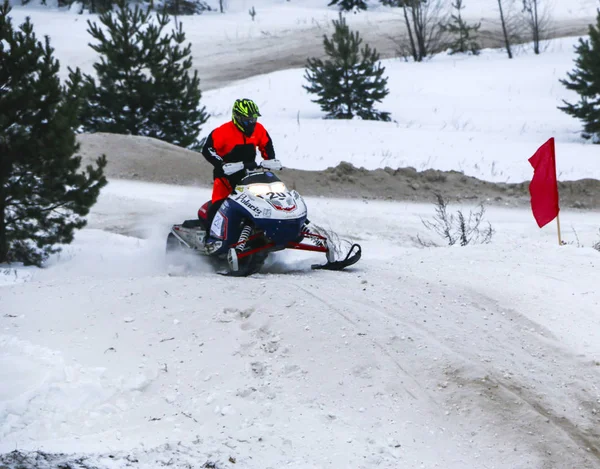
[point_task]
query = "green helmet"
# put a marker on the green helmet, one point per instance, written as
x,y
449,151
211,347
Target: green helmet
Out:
x,y
244,115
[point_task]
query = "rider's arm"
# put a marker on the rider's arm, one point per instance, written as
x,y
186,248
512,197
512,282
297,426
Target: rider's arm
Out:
x,y
265,144
209,152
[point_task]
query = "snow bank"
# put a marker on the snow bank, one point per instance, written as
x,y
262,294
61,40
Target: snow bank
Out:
x,y
42,392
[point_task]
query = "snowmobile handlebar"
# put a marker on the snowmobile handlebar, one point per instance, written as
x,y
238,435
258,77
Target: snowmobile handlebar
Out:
x,y
268,165
250,166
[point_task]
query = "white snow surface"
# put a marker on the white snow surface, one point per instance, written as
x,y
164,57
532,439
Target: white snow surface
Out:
x,y
480,356
445,357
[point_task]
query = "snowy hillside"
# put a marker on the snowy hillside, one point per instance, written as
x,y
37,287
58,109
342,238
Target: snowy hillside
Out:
x,y
481,115
420,358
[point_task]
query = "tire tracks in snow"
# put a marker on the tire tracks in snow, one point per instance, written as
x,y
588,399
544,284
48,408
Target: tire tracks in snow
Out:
x,y
377,343
513,375
512,389
234,60
585,433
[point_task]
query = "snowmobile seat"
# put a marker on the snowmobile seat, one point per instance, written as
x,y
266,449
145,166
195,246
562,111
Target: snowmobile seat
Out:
x,y
197,223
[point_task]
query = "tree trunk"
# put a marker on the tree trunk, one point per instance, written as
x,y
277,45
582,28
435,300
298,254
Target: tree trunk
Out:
x,y
6,166
418,23
3,237
462,37
504,31
416,26
413,48
347,86
536,29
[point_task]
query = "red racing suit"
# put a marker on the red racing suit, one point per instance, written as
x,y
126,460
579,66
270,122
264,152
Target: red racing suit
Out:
x,y
228,144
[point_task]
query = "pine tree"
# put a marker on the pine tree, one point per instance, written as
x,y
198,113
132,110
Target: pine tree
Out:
x,y
98,6
144,87
401,3
351,80
170,7
464,34
185,7
349,5
585,80
94,6
176,116
43,194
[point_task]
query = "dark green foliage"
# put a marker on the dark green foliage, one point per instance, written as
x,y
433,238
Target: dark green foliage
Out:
x,y
351,80
402,3
43,194
176,116
144,85
96,6
348,5
171,7
464,36
185,7
585,80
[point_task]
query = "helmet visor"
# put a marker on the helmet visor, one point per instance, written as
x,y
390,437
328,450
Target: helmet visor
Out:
x,y
247,121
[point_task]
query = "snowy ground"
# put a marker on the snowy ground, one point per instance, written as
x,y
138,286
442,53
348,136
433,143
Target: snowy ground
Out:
x,y
483,356
480,357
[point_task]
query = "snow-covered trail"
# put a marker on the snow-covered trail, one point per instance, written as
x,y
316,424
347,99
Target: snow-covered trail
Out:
x,y
485,356
237,59
231,47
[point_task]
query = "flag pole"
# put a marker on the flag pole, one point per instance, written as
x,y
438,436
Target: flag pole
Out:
x,y
558,227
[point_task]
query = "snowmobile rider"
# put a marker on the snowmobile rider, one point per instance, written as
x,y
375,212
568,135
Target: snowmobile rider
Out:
x,y
231,145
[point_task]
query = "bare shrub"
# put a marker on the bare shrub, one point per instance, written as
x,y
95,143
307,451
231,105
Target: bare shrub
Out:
x,y
537,21
458,228
577,242
512,25
424,32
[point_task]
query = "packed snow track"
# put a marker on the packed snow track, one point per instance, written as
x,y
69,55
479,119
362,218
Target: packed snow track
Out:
x,y
483,356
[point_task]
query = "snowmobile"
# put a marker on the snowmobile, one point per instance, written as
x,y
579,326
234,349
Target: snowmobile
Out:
x,y
259,217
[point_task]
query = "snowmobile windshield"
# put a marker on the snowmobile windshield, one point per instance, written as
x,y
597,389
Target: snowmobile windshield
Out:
x,y
263,183
262,189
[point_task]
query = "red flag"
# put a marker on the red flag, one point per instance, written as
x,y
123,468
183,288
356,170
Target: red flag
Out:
x,y
544,187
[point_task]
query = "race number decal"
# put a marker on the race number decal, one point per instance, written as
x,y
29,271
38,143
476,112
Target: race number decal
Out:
x,y
218,229
281,201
